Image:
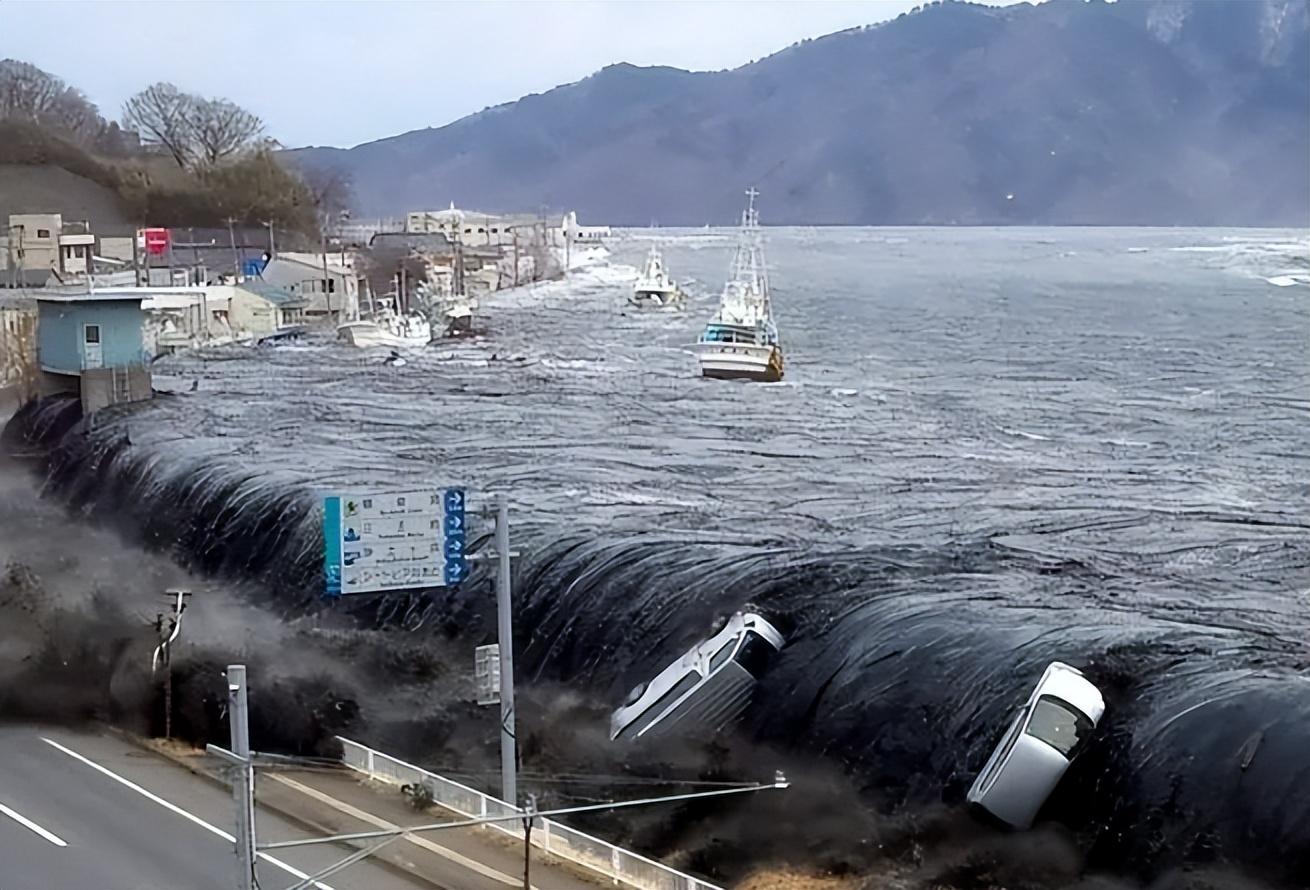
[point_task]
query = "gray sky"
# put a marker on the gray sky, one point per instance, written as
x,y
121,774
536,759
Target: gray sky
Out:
x,y
341,72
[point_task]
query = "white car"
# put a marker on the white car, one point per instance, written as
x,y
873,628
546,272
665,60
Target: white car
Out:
x,y
1045,736
709,686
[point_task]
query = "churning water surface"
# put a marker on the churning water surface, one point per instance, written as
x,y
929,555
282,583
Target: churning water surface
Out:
x,y
991,449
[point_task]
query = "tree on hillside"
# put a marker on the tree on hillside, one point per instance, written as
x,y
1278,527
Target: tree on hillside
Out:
x,y
28,93
222,128
161,115
195,131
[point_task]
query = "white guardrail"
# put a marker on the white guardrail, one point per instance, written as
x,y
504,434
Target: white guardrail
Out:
x,y
619,865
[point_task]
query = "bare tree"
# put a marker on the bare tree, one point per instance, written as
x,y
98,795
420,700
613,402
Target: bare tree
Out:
x,y
162,115
28,93
196,131
25,90
330,189
221,129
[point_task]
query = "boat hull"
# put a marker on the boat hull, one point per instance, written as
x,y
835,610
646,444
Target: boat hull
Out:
x,y
366,334
656,299
740,361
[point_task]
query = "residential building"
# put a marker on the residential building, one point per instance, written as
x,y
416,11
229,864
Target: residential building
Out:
x,y
41,250
331,292
248,312
92,344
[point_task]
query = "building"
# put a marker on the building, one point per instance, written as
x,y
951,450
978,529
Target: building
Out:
x,y
188,316
472,227
91,343
42,250
580,234
331,293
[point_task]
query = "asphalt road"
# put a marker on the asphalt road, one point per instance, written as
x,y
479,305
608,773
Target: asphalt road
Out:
x,y
92,812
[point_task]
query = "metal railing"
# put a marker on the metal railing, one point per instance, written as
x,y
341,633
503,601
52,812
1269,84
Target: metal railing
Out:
x,y
619,865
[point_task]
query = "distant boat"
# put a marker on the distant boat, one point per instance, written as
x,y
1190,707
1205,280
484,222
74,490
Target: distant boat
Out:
x,y
386,328
741,340
655,288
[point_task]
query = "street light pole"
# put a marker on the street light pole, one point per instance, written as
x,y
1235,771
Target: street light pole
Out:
x,y
505,635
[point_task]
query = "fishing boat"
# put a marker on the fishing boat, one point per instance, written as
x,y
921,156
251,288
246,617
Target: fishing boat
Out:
x,y
655,288
386,327
741,340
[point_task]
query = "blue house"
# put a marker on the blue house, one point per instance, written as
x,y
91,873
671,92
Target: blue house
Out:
x,y
90,343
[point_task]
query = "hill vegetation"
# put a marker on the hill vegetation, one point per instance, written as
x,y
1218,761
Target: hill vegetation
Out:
x,y
177,159
1159,112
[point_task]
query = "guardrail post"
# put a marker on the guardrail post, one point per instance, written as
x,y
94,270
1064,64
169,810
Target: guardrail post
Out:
x,y
368,759
615,863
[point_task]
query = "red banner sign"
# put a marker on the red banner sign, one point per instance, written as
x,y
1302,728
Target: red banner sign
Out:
x,y
156,241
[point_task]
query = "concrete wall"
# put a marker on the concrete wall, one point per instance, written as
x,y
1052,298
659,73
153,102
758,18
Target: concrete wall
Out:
x,y
117,248
60,336
102,387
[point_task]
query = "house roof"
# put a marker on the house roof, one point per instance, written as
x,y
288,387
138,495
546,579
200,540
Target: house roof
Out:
x,y
432,241
275,295
101,295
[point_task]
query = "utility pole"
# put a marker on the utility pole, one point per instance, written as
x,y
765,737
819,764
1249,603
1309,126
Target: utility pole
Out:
x,y
327,282
236,261
516,256
272,246
243,784
164,651
505,634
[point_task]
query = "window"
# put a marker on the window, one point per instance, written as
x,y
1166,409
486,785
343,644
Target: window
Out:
x,y
43,233
332,286
91,333
1059,725
652,714
724,653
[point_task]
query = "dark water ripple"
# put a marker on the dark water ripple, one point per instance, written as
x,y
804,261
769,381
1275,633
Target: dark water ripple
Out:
x,y
992,449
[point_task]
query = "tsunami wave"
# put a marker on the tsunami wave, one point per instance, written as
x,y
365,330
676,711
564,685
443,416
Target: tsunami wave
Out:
x,y
902,664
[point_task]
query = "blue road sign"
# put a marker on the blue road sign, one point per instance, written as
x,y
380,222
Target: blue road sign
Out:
x,y
397,541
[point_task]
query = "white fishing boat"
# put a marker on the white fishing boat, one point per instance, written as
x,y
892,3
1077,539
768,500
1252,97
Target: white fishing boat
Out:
x,y
741,340
387,327
655,288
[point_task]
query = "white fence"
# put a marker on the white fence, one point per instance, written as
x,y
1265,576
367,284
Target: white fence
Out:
x,y
619,865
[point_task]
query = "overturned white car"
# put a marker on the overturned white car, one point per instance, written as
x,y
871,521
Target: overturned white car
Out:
x,y
1047,733
709,686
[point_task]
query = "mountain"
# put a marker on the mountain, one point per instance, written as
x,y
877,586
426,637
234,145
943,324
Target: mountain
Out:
x,y
1158,112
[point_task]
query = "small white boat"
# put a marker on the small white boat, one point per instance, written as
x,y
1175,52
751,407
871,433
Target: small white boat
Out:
x,y
741,340
387,328
655,288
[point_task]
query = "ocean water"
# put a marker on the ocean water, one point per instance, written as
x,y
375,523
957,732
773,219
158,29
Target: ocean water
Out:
x,y
991,449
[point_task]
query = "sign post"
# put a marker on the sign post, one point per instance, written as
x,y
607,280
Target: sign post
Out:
x,y
377,542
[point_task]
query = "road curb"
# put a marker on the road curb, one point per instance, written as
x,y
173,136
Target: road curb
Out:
x,y
382,857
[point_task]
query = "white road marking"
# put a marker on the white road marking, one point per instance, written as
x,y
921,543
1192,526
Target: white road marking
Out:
x,y
29,824
377,822
174,808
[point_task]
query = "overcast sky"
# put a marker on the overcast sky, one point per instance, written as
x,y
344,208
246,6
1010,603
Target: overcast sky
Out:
x,y
341,72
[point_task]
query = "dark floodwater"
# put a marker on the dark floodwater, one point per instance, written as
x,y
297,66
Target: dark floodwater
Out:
x,y
992,448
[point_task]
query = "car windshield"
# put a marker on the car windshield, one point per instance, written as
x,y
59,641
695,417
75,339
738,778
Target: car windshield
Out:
x,y
755,654
1059,725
